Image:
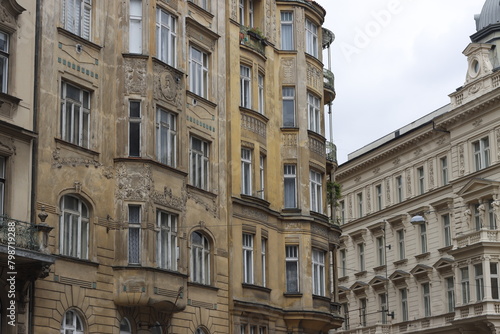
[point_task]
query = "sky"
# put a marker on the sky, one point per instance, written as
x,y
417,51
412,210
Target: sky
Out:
x,y
394,61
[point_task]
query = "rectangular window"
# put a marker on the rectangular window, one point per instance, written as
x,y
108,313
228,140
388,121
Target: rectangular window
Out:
x,y
246,171
478,270
318,268
465,285
4,61
360,205
345,312
292,269
316,192
477,217
134,234
314,113
399,188
446,229
76,17
362,311
381,251
166,37
403,295
250,13
450,293
378,190
382,298
247,258
198,68
262,175
311,38
74,228
491,215
401,244
288,107
242,12
166,137
200,156
361,256
135,27
290,182
263,260
243,329
481,153
423,238
245,87
343,263
444,170
421,180
426,296
167,240
342,213
495,286
134,128
261,94
287,31
75,115
2,185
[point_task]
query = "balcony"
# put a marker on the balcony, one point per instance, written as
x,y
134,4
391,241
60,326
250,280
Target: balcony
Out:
x,y
254,39
328,86
331,152
477,237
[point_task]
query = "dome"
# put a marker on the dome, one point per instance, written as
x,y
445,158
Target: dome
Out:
x,y
490,14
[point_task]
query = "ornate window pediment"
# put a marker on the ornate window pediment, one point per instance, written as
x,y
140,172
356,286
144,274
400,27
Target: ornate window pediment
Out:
x,y
444,266
359,288
479,188
378,283
377,229
421,272
399,277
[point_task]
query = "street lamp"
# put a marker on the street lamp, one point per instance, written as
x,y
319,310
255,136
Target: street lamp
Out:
x,y
417,220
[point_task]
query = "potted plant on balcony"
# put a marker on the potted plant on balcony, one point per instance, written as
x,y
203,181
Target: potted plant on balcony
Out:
x,y
257,34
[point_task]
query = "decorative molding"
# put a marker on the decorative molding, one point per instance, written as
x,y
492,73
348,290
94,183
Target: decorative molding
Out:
x,y
430,165
314,77
461,161
234,10
254,125
290,139
288,70
135,75
167,85
209,207
477,122
58,161
498,142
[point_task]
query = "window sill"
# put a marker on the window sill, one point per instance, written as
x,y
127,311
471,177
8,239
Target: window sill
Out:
x,y
162,63
256,200
422,256
202,10
445,249
292,295
289,129
153,162
343,279
360,274
77,260
256,287
203,286
322,298
380,268
255,113
291,211
400,262
198,98
200,191
76,147
80,39
12,100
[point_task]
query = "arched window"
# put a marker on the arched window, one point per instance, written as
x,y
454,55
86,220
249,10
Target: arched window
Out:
x,y
200,258
74,228
156,329
125,327
200,331
71,324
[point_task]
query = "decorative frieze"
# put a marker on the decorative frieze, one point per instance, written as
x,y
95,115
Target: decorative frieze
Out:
x,y
135,75
58,161
461,159
167,85
288,70
253,124
314,77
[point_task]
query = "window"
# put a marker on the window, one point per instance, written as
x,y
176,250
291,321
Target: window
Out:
x,y
200,259
134,129
360,204
362,311
450,293
465,285
156,329
135,27
345,311
71,323
4,61
166,137
202,3
403,295
2,185
290,182
292,269
166,37
342,213
245,87
76,17
242,12
314,113
318,269
382,298
247,258
361,256
199,331
288,107
378,190
423,238
263,260
75,115
381,251
495,286
421,180
311,39
246,171
134,234
444,170
262,330
261,94
401,244
316,192
399,188
477,217
481,153
125,327
446,229
262,175
198,79
426,296
167,240
287,31
343,263
199,155
74,228
491,215
478,270
250,13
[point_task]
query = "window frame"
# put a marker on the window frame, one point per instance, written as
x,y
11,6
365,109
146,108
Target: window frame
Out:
x,y
343,262
135,28
290,179
125,322
421,180
318,272
261,94
426,299
403,298
203,276
359,198
77,326
199,71
262,176
263,260
248,258
167,52
246,171
362,312
83,227
316,191
3,166
379,196
292,259
199,163
443,161
4,62
450,293
479,281
167,240
465,284
382,299
312,47
446,219
288,106
82,109
134,225
134,121
380,251
401,244
79,18
423,238
399,188
482,153
245,86
314,113
288,24
361,256
164,128
494,281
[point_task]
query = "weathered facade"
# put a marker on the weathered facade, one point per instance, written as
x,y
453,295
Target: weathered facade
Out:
x,y
179,166
420,212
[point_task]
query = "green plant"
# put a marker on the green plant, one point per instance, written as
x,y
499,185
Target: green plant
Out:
x,y
334,191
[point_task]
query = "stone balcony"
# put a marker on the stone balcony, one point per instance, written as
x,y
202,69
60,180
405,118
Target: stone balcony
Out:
x,y
476,237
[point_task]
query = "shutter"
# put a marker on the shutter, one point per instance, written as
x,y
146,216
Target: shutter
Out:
x,y
86,19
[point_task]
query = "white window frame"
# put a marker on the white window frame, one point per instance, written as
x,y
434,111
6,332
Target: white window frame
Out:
x,y
479,280
74,224
75,115
465,285
199,162
399,188
200,252
248,263
343,262
251,14
292,268
167,226
262,175
4,61
382,299
318,272
421,180
261,95
313,106
166,127
481,149
359,197
245,86
135,27
166,37
446,229
361,257
287,24
401,244
72,323
246,171
494,281
403,295
198,68
242,12
76,17
134,233
134,124
423,238
380,251
380,197
288,107
450,293
312,38
290,183
444,170
263,259
362,312
316,191
426,299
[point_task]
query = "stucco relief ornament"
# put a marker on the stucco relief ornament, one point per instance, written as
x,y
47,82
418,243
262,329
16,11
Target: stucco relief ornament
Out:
x,y
5,16
135,75
498,142
468,217
496,208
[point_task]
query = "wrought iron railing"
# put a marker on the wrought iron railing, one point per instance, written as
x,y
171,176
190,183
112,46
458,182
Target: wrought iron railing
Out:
x,y
331,152
329,80
19,234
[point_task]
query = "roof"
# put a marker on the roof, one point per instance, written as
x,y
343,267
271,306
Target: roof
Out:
x,y
490,14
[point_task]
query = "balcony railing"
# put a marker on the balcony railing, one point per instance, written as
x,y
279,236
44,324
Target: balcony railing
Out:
x,y
475,237
22,234
331,152
254,39
329,79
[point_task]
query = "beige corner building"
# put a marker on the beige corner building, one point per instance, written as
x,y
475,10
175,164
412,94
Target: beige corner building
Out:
x,y
168,159
420,245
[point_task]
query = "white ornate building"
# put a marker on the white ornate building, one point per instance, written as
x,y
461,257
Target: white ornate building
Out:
x,y
420,249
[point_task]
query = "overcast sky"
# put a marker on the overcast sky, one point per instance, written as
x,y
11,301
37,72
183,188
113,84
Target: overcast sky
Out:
x,y
394,61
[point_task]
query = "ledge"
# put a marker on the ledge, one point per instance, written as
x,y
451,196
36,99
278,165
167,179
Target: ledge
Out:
x,y
360,274
76,147
292,294
76,260
255,200
153,162
343,279
80,39
445,249
208,287
256,287
400,262
422,256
